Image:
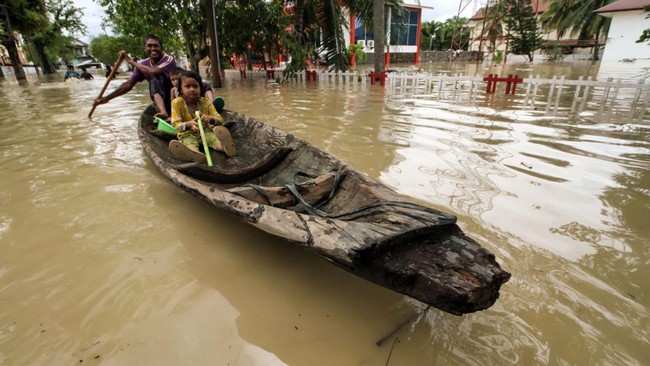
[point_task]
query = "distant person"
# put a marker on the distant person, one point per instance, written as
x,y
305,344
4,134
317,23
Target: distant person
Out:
x,y
86,75
71,73
109,69
173,76
184,120
155,69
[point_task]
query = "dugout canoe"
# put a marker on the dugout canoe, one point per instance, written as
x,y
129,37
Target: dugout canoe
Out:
x,y
289,188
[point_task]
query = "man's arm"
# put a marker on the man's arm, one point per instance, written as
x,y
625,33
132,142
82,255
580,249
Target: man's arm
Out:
x,y
122,89
147,70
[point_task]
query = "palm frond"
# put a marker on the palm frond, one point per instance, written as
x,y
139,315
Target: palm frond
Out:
x,y
332,23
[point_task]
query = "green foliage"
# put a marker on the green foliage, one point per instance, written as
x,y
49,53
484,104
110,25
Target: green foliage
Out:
x,y
182,24
439,35
249,22
578,18
134,19
554,54
332,22
49,42
523,35
25,16
498,57
320,25
357,51
105,48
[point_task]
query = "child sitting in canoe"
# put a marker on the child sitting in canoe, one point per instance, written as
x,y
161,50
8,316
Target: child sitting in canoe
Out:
x,y
184,110
173,76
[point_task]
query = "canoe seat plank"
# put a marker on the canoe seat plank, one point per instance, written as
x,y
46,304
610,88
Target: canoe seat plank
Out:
x,y
312,191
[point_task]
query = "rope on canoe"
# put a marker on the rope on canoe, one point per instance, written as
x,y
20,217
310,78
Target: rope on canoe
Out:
x,y
261,192
351,215
335,184
314,210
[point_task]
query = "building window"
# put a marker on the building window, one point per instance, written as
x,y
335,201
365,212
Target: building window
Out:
x,y
405,34
360,33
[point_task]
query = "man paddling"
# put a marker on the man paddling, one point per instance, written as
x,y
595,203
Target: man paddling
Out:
x,y
155,69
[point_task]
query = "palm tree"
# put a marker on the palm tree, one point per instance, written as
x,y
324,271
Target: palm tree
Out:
x,y
379,33
578,18
328,18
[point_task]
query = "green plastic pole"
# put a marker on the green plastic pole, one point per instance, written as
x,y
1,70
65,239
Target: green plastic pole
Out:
x,y
206,150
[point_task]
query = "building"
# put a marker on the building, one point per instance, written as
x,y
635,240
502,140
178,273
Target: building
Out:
x,y
81,51
489,34
628,22
404,41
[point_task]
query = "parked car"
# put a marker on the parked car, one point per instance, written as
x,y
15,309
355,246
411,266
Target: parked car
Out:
x,y
89,64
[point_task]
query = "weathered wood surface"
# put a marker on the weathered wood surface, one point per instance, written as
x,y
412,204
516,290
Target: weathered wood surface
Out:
x,y
366,228
312,191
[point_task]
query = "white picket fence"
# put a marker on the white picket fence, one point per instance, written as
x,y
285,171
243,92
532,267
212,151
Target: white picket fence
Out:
x,y
555,95
322,76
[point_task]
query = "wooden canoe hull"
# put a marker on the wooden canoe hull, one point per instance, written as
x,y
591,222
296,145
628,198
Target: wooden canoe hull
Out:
x,y
364,227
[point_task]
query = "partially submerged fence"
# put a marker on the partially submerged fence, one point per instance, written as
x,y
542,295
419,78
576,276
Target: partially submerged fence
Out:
x,y
555,95
304,76
558,94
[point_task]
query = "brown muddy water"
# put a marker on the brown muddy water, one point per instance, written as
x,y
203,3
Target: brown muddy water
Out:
x,y
103,261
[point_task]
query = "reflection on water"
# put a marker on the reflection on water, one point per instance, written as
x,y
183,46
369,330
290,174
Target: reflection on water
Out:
x,y
103,260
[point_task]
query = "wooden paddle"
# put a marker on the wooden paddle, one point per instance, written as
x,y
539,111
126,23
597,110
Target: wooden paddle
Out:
x,y
108,80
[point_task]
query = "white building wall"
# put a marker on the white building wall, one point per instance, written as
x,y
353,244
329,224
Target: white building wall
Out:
x,y
625,29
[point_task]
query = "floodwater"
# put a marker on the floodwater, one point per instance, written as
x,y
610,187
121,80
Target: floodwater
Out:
x,y
103,261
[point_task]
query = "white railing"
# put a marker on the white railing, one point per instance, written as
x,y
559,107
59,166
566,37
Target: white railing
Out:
x,y
554,95
322,76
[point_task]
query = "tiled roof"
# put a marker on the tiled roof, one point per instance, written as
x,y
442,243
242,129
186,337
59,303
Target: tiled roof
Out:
x,y
623,5
539,6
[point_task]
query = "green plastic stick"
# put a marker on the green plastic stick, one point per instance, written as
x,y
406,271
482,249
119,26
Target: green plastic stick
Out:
x,y
206,150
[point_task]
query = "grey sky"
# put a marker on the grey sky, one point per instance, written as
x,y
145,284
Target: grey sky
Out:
x,y
442,9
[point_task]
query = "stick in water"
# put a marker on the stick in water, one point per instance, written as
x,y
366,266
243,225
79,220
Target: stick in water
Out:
x,y
203,139
402,325
108,80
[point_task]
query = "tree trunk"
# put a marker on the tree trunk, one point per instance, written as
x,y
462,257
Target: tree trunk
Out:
x,y
215,68
47,66
9,41
379,34
192,56
298,21
597,47
15,60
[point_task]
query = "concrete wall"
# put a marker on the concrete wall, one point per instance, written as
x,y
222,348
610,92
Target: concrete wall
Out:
x,y
429,56
443,56
625,29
